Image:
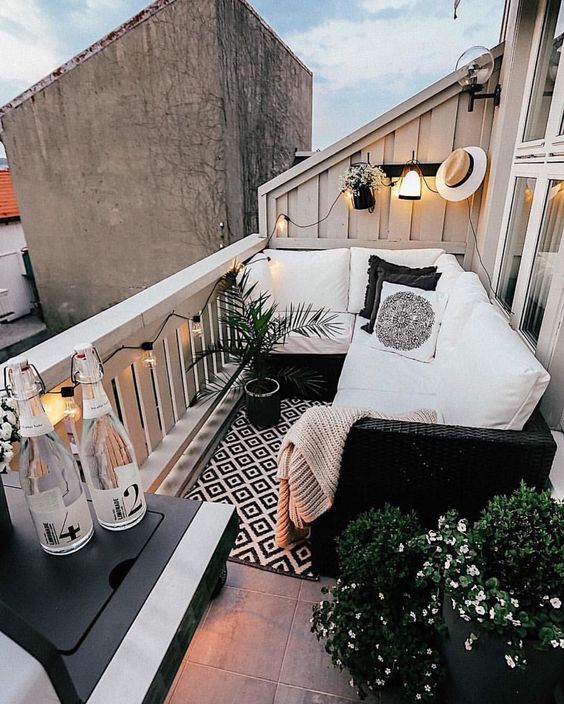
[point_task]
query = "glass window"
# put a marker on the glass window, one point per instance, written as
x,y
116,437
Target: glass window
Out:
x,y
515,240
545,72
545,259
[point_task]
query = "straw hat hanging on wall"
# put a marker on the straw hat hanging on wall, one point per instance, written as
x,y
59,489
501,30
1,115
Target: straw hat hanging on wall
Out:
x,y
461,173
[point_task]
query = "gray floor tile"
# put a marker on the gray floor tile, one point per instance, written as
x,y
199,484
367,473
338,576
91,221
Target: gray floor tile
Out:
x,y
206,685
244,577
307,665
294,695
311,591
245,632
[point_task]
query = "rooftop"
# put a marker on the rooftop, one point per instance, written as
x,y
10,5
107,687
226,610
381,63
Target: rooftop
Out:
x,y
8,205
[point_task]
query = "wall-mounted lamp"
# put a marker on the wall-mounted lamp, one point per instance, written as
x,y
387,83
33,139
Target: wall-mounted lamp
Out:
x,y
149,359
409,176
410,187
475,68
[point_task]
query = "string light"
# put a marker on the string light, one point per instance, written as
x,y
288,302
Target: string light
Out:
x,y
149,359
197,330
72,411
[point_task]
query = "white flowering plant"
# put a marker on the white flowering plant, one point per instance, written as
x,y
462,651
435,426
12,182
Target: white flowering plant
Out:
x,y
9,427
358,175
377,622
504,573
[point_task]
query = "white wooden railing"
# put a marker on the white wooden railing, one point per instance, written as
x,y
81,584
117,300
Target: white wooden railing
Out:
x,y
154,404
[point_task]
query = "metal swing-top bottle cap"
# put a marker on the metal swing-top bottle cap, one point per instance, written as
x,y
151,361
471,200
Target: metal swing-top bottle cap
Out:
x,y
22,379
87,363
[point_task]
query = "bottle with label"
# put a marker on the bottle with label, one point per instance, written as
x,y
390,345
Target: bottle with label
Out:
x,y
108,460
48,473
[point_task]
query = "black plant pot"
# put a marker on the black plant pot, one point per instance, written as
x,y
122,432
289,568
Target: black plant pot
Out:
x,y
363,199
482,676
263,406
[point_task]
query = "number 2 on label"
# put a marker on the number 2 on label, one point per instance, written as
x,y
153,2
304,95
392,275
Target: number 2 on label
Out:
x,y
136,501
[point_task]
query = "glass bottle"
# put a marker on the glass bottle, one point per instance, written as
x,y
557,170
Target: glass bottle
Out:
x,y
108,460
49,476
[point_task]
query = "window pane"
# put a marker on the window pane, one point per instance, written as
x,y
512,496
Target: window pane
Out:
x,y
545,259
515,240
545,72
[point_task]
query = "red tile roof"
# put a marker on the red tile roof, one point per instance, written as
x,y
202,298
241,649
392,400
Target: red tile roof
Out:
x,y
8,204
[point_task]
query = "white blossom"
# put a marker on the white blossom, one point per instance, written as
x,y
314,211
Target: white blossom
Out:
x,y
509,660
555,602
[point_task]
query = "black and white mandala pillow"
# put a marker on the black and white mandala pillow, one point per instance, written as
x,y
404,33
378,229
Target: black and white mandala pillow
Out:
x,y
408,321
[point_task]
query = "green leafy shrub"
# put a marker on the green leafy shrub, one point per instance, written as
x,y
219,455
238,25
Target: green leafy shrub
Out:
x,y
378,623
506,572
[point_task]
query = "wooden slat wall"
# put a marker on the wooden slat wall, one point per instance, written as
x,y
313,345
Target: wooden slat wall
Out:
x,y
433,134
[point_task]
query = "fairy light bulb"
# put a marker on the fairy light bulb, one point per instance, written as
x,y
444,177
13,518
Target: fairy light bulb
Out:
x,y
72,411
149,359
197,326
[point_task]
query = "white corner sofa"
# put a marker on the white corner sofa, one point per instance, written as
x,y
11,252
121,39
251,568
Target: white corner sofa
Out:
x,y
484,382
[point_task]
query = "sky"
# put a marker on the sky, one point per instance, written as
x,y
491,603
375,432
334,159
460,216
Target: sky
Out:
x,y
366,55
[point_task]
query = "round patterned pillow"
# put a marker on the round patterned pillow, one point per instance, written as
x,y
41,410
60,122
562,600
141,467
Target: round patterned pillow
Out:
x,y
405,321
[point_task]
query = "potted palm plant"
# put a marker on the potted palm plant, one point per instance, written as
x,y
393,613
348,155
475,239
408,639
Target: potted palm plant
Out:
x,y
253,330
503,582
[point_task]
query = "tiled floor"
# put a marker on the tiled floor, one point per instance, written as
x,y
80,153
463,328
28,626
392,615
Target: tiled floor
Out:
x,y
254,646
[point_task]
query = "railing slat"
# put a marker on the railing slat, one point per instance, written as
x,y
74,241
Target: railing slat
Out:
x,y
148,403
185,345
163,388
175,372
131,413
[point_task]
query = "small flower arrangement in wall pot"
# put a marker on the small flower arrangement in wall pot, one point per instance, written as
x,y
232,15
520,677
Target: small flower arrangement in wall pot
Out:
x,y
361,180
503,582
377,622
8,431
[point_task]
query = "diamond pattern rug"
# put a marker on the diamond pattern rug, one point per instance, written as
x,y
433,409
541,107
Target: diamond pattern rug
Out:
x,y
242,472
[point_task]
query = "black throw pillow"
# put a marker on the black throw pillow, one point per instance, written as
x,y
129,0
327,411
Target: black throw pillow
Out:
x,y
373,263
428,282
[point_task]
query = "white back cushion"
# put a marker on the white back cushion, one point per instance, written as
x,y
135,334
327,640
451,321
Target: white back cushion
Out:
x,y
320,278
465,293
258,275
492,379
359,267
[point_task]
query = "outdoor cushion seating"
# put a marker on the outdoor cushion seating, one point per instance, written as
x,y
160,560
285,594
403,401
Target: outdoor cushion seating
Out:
x,y
483,382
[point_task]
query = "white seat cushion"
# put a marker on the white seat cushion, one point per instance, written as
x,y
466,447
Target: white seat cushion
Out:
x,y
491,379
359,267
389,402
369,369
336,344
258,275
320,278
450,270
466,293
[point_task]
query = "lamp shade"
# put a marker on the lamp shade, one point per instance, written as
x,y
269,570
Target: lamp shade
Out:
x,y
410,187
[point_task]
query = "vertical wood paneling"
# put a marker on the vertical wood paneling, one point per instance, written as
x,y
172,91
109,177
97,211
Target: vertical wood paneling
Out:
x,y
147,401
131,413
400,210
337,224
294,212
431,208
306,209
200,367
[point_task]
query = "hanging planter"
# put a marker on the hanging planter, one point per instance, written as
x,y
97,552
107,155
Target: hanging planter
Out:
x,y
361,180
363,198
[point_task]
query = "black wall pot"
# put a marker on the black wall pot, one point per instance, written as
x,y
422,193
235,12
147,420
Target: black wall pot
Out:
x,y
482,676
364,198
263,407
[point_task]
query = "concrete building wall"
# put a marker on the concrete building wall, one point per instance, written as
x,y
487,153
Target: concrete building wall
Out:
x,y
125,166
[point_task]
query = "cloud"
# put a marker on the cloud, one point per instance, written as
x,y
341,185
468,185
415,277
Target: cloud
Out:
x,y
373,63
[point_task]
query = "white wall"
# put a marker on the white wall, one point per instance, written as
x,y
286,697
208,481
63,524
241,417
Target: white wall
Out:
x,y
20,296
12,237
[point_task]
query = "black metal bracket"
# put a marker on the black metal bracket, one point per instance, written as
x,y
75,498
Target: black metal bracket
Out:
x,y
396,170
474,93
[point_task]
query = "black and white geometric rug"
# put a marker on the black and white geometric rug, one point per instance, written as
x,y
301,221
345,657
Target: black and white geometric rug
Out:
x,y
242,472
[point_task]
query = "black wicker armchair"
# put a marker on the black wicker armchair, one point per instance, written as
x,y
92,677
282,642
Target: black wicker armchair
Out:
x,y
429,468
